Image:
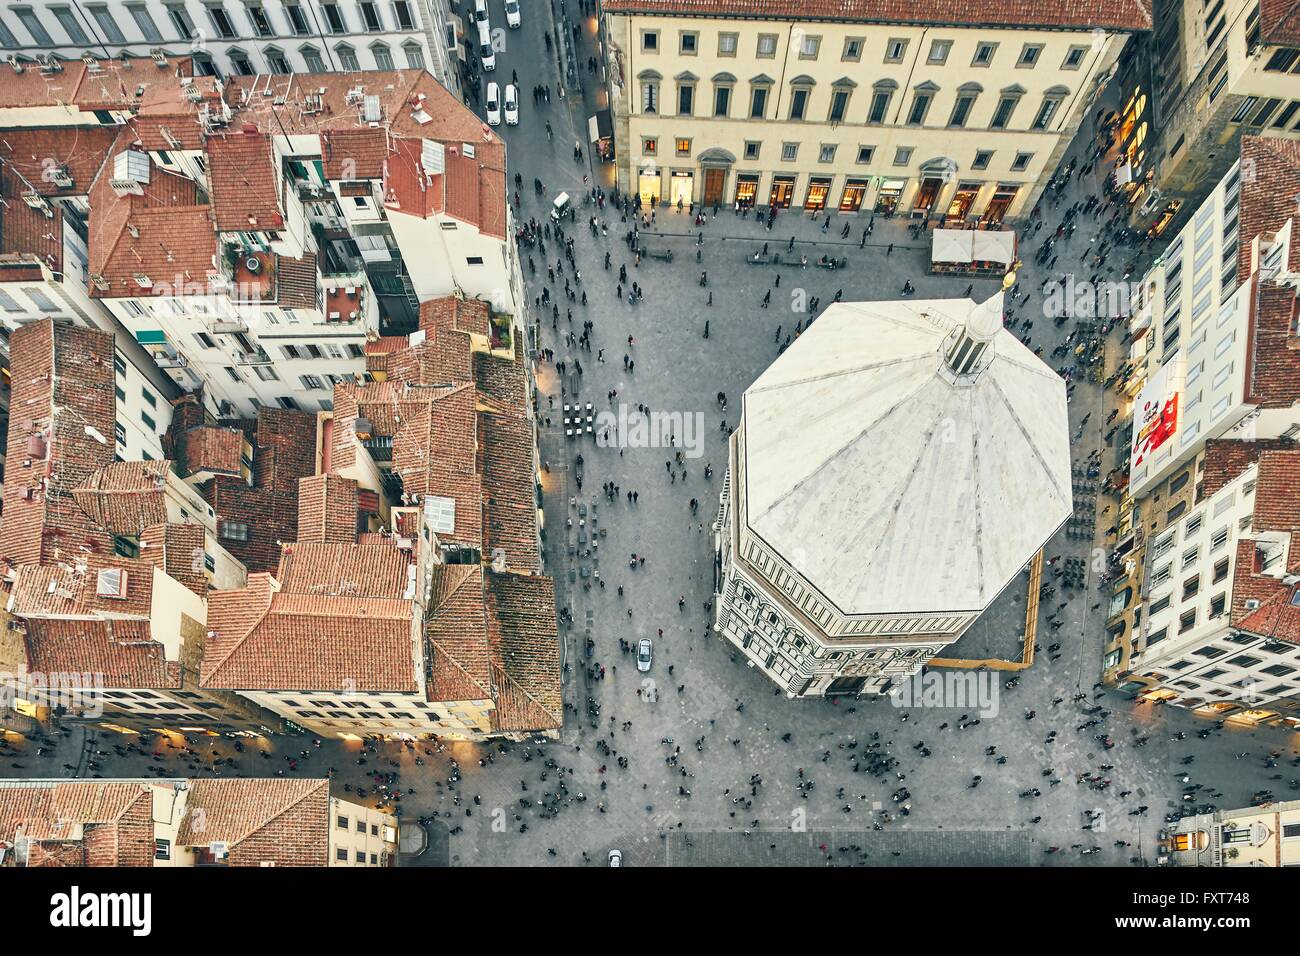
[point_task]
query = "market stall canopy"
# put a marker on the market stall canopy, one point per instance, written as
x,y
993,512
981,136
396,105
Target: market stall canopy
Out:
x,y
994,246
952,245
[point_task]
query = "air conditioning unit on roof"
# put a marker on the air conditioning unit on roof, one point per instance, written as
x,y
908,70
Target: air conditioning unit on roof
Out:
x,y
159,56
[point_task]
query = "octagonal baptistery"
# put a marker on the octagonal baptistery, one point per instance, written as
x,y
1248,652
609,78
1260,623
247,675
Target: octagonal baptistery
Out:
x,y
893,471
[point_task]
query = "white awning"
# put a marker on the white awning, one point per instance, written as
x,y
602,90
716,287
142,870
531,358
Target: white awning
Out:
x,y
992,246
951,245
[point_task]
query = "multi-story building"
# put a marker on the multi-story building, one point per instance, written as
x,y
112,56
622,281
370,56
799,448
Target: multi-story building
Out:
x,y
249,234
106,563
893,471
1214,354
1265,835
1219,634
1207,73
429,597
245,38
956,112
189,822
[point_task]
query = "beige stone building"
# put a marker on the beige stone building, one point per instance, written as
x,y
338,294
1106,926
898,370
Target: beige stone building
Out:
x,y
1268,835
184,823
960,111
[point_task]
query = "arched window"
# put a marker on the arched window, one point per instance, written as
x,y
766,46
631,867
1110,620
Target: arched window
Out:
x,y
414,55
240,64
276,61
311,56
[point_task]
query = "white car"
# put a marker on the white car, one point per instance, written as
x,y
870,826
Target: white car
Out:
x,y
480,13
512,14
644,654
615,857
488,56
493,105
512,105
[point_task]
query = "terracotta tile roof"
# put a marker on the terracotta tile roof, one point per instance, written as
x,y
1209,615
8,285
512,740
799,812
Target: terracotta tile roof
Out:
x,y
82,823
502,379
297,281
1277,492
525,653
120,652
164,234
37,154
457,313
177,550
435,452
244,185
1269,185
70,369
353,570
357,153
27,235
76,86
209,448
1277,618
1248,584
72,590
125,497
510,491
456,628
327,509
281,821
339,620
1273,377
1227,458
1116,14
1279,22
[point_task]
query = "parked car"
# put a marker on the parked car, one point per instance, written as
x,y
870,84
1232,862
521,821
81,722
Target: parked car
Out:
x,y
512,14
615,857
493,104
488,56
644,654
512,105
480,13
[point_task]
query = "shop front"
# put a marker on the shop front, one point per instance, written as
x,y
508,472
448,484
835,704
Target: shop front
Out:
x,y
782,193
962,202
746,190
1002,199
926,196
650,186
891,191
819,189
855,190
683,187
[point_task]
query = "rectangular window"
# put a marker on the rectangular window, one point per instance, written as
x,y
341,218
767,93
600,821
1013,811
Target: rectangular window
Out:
x,y
683,146
334,18
297,19
895,48
727,43
181,21
1021,162
1029,55
1002,115
221,21
809,47
879,106
685,100
961,110
852,49
903,156
982,159
144,23
758,102
827,153
721,100
1074,58
939,50
983,54
789,152
402,12
865,154
766,49
752,148
68,20
688,43
920,106
28,18
650,41
798,104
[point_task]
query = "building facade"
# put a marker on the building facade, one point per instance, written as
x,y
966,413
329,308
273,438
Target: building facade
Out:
x,y
185,823
1206,74
1265,835
242,38
849,549
959,114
